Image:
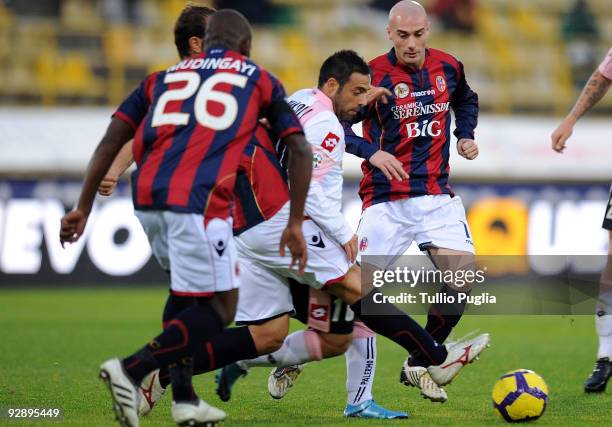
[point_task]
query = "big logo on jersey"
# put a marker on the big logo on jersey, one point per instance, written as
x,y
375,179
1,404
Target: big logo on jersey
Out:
x,y
426,128
330,142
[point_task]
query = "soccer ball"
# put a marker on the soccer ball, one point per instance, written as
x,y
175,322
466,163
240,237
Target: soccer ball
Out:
x,y
520,395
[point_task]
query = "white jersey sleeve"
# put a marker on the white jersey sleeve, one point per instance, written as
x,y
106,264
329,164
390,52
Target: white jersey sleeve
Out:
x,y
324,201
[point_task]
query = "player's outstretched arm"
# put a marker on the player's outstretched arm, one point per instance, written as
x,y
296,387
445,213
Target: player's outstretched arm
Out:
x,y
122,162
300,171
593,91
73,223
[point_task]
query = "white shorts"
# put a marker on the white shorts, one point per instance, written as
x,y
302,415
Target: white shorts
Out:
x,y
433,221
201,259
264,294
265,290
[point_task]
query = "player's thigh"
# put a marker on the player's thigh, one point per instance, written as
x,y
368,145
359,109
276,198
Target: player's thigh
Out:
x,y
351,288
153,224
384,233
320,310
203,257
444,224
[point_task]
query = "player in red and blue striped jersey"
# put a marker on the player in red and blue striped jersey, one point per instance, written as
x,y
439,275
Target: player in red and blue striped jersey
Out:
x,y
261,184
202,113
414,124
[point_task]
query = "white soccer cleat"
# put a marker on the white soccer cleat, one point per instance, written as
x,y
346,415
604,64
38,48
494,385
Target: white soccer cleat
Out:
x,y
418,376
459,354
201,414
150,392
123,392
282,379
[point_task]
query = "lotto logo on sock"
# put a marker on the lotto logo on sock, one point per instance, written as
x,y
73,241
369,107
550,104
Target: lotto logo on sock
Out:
x,y
318,312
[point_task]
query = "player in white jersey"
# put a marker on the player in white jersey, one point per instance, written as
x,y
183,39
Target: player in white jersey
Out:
x,y
593,91
332,245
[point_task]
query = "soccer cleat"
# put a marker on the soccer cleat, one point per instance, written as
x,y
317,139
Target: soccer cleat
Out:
x,y
198,413
226,378
150,392
459,354
123,392
417,376
370,409
598,380
282,379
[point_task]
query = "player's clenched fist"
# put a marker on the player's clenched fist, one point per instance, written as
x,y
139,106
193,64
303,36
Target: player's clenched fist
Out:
x,y
108,185
561,135
467,148
293,238
350,248
72,226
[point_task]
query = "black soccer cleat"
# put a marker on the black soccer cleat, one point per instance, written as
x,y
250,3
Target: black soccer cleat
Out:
x,y
598,380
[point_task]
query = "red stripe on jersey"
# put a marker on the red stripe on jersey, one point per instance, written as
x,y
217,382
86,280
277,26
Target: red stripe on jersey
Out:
x,y
150,84
435,159
124,117
269,186
181,182
403,151
165,133
220,196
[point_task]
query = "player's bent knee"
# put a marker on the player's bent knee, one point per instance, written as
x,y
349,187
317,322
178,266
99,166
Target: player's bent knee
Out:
x,y
269,336
334,344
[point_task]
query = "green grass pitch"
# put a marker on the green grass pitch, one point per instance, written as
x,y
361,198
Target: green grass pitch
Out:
x,y
54,340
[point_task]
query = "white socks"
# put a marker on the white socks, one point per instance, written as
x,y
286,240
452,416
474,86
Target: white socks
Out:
x,y
299,347
603,325
360,364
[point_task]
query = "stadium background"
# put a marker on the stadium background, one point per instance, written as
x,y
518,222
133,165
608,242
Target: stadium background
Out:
x,y
64,64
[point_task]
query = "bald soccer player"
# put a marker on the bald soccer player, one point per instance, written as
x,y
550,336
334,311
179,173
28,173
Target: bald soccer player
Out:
x,y
593,91
414,124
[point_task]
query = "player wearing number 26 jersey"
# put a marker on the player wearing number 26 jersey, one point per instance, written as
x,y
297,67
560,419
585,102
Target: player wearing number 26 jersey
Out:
x,y
187,161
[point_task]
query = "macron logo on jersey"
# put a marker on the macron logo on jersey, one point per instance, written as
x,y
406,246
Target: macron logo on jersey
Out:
x,y
330,142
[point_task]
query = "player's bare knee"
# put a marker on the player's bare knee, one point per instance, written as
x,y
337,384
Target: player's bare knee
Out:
x,y
334,344
269,336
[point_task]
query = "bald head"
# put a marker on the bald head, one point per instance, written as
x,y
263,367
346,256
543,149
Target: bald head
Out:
x,y
229,29
407,10
408,29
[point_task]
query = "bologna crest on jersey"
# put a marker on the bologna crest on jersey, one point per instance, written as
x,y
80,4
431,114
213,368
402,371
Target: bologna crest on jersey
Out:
x,y
401,90
441,83
330,142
